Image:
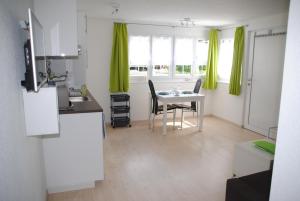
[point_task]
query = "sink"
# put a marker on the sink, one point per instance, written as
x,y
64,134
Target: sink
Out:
x,y
74,99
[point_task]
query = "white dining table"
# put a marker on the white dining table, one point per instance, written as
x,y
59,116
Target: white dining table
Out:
x,y
181,98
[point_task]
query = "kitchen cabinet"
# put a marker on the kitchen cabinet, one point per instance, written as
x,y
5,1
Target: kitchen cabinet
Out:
x,y
74,158
41,111
80,64
59,20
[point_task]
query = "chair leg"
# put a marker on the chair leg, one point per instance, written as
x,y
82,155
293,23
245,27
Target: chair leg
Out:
x,y
174,117
153,118
182,118
149,120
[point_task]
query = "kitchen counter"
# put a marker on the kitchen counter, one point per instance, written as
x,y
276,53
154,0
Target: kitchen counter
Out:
x,y
83,107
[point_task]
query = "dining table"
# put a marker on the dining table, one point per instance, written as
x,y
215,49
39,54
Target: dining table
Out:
x,y
171,97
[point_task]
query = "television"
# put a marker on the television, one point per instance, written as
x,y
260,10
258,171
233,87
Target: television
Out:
x,y
35,58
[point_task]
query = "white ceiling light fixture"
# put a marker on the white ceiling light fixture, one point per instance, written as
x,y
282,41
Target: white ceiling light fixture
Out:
x,y
187,22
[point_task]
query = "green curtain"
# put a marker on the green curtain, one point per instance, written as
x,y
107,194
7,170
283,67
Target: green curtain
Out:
x,y
119,66
212,61
238,55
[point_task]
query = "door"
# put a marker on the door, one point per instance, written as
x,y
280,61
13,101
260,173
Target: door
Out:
x,y
264,81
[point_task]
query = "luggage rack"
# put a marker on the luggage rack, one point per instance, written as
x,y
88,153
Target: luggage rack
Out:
x,y
120,110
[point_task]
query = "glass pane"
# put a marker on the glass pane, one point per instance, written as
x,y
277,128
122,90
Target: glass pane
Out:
x,y
201,56
161,55
183,55
139,55
138,70
225,59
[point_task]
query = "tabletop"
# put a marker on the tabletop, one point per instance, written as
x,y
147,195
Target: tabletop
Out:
x,y
169,96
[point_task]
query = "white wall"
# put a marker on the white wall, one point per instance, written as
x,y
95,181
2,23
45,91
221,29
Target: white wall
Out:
x,y
99,50
227,106
286,174
22,175
99,53
231,107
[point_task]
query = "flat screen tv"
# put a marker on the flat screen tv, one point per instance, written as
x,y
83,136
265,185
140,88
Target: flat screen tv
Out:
x,y
35,59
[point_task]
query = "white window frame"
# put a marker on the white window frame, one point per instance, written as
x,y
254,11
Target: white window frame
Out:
x,y
132,78
195,56
172,77
174,62
157,78
221,80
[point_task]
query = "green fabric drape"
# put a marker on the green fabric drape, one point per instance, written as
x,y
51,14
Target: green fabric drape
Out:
x,y
212,61
119,65
238,55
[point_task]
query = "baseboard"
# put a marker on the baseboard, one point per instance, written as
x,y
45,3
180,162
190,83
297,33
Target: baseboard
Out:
x,y
228,121
159,117
58,189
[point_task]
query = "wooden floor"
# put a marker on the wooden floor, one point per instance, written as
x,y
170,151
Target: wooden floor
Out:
x,y
184,165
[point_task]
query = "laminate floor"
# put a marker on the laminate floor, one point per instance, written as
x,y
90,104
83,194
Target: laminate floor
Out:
x,y
185,165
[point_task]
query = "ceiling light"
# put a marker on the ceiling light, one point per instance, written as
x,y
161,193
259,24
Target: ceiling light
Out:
x,y
115,8
187,22
115,11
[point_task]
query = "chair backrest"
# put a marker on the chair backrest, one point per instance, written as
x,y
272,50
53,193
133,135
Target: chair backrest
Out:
x,y
197,86
154,98
196,90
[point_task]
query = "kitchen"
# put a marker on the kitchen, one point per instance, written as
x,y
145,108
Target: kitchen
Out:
x,y
73,138
54,144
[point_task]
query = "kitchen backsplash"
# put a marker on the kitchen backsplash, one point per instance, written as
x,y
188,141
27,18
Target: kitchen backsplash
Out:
x,y
76,73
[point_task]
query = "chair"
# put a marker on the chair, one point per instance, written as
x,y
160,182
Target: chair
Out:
x,y
158,109
193,106
254,187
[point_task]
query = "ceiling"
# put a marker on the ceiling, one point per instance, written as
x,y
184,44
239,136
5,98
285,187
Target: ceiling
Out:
x,y
203,12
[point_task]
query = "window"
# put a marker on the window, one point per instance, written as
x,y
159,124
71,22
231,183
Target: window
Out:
x,y
183,56
139,55
161,55
166,57
201,56
225,59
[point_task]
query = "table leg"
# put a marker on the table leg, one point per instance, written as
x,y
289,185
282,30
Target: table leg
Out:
x,y
150,111
165,119
198,113
201,114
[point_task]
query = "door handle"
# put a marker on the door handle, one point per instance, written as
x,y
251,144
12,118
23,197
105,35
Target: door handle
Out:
x,y
249,82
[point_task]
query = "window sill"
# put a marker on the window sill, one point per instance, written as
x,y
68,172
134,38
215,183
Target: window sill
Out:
x,y
137,79
166,79
174,80
138,82
223,81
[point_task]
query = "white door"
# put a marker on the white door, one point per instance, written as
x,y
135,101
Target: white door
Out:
x,y
264,81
